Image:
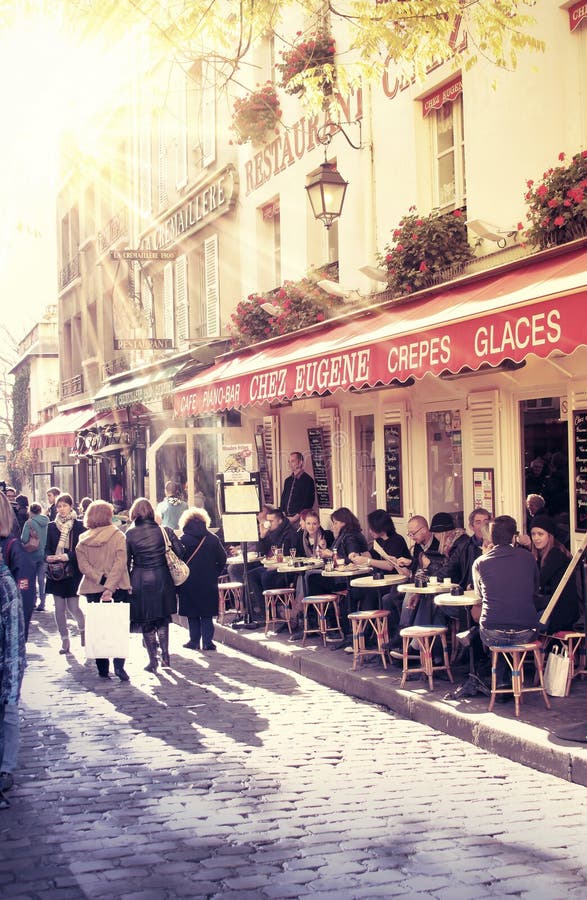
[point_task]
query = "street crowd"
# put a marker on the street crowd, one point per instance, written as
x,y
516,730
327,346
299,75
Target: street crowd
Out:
x,y
66,552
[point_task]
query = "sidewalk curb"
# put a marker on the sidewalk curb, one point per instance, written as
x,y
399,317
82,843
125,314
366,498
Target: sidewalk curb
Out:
x,y
512,739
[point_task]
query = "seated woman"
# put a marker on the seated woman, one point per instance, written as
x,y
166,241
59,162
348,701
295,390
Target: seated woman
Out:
x,y
553,559
383,555
311,537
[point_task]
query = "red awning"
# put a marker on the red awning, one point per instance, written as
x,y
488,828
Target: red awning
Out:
x,y
577,14
448,93
538,308
60,431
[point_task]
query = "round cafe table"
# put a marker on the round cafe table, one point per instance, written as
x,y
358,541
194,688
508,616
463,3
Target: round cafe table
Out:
x,y
367,581
300,567
473,683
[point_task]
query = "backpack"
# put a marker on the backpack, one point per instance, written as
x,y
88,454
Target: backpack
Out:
x,y
34,541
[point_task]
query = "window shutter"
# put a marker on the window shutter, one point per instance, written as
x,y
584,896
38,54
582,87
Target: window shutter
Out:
x,y
145,166
212,294
484,422
181,162
208,121
181,300
168,316
396,415
147,301
163,172
270,441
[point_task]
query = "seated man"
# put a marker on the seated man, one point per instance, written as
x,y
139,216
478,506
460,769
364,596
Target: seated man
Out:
x,y
418,609
280,534
505,579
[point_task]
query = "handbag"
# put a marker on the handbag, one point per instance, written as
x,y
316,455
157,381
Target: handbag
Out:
x,y
59,570
556,672
34,541
107,630
178,569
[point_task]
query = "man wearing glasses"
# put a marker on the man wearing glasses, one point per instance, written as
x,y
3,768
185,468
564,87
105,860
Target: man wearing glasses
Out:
x,y
417,609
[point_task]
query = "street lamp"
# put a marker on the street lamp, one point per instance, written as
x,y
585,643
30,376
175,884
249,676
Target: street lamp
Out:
x,y
326,189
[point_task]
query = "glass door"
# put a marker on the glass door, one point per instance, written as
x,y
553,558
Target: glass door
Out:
x,y
366,491
445,463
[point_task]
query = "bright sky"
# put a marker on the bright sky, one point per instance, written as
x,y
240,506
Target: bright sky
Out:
x,y
50,84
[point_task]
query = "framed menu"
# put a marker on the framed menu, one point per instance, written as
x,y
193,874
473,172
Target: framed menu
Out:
x,y
392,441
484,490
580,462
320,467
264,473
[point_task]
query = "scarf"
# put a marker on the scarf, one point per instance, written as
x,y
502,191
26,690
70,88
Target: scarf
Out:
x,y
64,524
310,549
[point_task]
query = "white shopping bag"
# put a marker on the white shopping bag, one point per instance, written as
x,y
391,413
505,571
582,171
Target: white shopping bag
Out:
x,y
556,672
107,630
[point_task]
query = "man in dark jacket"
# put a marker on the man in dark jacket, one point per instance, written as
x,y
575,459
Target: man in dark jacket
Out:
x,y
280,534
299,490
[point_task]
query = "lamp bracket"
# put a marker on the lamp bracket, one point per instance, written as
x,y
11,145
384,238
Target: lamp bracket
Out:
x,y
327,131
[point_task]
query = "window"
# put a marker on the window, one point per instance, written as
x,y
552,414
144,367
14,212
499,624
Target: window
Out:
x,y
445,464
269,245
202,112
448,155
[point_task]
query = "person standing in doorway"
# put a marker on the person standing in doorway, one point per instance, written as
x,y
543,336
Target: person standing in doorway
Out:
x,y
299,490
172,506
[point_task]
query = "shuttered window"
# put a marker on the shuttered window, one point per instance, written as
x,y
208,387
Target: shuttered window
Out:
x,y
181,301
211,287
168,311
208,119
181,113
163,168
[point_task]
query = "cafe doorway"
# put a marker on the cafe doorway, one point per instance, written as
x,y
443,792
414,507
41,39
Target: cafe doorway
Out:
x,y
545,459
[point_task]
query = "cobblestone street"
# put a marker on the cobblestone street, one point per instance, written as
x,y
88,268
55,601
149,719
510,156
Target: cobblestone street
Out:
x,y
226,776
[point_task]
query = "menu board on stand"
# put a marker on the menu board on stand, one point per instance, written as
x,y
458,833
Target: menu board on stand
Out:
x,y
320,468
580,443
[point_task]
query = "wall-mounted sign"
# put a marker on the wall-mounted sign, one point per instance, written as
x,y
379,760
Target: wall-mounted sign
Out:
x,y
392,442
580,442
577,15
143,254
484,490
143,344
320,467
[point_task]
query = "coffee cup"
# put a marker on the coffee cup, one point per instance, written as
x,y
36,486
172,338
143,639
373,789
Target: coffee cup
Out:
x,y
446,581
433,579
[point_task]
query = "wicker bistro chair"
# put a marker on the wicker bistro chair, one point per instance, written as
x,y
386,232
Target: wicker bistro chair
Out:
x,y
515,656
424,637
278,607
230,599
374,620
322,604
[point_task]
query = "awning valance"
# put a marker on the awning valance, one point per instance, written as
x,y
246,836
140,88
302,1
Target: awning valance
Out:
x,y
577,14
447,93
140,387
538,308
60,431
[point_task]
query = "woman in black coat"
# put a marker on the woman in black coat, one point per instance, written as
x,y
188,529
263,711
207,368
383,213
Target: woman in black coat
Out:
x,y
62,537
553,560
198,596
154,595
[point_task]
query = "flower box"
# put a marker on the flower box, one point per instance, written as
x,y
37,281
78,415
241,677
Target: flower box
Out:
x,y
255,115
558,203
309,59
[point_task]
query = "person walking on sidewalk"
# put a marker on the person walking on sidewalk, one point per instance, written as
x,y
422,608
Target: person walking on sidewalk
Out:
x,y
101,556
153,598
12,666
62,537
198,596
38,523
17,559
172,506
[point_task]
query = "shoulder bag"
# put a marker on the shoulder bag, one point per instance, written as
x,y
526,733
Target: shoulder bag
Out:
x,y
178,569
34,541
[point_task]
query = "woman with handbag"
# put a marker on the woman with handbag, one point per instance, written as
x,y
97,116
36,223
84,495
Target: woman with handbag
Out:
x,y
153,593
198,596
63,574
101,556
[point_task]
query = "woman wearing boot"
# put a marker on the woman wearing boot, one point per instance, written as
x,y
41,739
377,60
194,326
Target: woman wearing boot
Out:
x,y
153,593
101,556
198,596
62,537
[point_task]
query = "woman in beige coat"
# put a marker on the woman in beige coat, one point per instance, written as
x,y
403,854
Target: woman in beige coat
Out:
x,y
101,557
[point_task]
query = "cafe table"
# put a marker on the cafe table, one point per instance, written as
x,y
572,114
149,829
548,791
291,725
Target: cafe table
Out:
x,y
369,582
472,684
238,560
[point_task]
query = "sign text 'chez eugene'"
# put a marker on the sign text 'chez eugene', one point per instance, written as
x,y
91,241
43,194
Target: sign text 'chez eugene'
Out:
x,y
539,328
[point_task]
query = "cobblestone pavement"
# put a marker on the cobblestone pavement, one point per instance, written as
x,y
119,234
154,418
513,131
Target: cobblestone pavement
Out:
x,y
228,777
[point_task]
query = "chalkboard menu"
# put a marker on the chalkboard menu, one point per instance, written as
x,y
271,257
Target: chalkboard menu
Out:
x,y
264,473
321,467
580,428
392,439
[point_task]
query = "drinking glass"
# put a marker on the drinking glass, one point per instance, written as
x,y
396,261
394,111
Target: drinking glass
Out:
x,y
292,553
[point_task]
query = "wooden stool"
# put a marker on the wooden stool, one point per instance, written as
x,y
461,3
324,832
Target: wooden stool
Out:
x,y
575,644
377,619
515,657
230,599
424,636
278,603
322,604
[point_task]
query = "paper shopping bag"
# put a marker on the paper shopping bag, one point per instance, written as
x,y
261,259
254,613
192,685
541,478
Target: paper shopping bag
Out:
x,y
556,672
107,630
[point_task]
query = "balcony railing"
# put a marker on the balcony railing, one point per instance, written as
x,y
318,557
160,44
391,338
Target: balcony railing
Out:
x,y
72,386
116,365
69,272
114,230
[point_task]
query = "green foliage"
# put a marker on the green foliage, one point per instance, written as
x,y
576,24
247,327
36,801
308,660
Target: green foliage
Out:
x,y
255,114
298,304
557,205
423,248
20,404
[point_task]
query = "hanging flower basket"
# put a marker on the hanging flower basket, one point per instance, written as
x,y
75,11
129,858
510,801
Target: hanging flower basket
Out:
x,y
425,249
558,203
255,115
311,60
